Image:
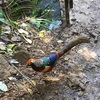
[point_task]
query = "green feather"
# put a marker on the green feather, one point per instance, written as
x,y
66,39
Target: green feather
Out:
x,y
46,60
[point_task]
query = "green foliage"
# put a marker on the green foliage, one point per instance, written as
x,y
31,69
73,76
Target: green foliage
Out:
x,y
21,8
1,13
18,9
1,16
39,15
10,23
40,12
4,20
39,22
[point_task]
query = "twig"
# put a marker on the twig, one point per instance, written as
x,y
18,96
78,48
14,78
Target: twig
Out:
x,y
25,77
94,35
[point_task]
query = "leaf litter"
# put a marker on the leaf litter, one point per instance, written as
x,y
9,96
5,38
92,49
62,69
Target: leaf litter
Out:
x,y
74,74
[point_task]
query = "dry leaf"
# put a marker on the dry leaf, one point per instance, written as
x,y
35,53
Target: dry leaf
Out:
x,y
23,31
30,90
46,40
42,33
34,83
59,41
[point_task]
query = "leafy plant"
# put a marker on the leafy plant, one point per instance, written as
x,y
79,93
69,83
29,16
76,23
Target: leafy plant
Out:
x,y
39,22
5,20
21,8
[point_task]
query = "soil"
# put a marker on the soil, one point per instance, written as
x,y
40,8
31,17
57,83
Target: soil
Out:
x,y
76,75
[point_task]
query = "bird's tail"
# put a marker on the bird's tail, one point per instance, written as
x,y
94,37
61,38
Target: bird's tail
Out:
x,y
71,44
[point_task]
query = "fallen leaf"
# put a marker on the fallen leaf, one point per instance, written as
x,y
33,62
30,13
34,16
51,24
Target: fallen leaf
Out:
x,y
28,40
12,78
9,51
16,39
46,40
2,46
34,83
13,61
29,90
3,86
42,33
66,58
24,25
60,41
10,46
23,31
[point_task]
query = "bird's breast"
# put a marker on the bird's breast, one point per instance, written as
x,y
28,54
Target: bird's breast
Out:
x,y
47,69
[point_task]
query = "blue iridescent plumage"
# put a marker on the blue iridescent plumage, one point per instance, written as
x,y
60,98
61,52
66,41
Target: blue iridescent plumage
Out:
x,y
50,59
53,58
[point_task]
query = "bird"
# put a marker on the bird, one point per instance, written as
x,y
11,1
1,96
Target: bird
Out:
x,y
47,63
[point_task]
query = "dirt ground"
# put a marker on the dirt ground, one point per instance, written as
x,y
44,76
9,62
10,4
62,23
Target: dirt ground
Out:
x,y
76,75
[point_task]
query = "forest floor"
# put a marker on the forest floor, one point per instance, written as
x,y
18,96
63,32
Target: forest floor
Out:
x,y
76,75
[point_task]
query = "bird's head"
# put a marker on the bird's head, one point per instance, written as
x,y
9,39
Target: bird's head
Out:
x,y
30,61
36,64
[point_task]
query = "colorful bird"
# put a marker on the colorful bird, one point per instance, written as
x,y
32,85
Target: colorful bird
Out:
x,y
47,63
